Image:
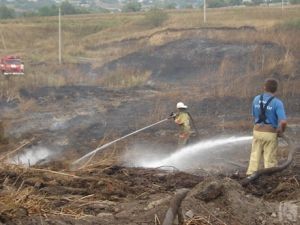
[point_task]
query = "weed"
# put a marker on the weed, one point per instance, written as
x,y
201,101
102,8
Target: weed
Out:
x,y
292,24
124,77
154,18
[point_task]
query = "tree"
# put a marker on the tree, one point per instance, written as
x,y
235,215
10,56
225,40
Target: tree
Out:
x,y
170,6
295,1
48,11
257,2
222,3
235,2
68,9
132,6
6,13
215,3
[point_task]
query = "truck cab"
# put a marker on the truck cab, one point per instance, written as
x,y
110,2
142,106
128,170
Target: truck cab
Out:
x,y
11,65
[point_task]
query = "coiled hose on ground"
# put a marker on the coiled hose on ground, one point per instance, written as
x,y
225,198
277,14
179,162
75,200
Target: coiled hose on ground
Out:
x,y
268,171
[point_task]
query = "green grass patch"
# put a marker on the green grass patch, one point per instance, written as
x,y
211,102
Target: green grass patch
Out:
x,y
293,24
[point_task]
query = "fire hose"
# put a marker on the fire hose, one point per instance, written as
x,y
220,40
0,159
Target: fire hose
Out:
x,y
119,139
268,171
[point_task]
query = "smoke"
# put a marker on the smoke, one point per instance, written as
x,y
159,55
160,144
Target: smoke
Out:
x,y
32,156
59,124
185,158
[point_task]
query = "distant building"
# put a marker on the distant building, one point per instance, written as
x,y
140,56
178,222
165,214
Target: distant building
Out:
x,y
80,3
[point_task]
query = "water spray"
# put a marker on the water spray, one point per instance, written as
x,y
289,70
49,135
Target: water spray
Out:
x,y
183,156
119,139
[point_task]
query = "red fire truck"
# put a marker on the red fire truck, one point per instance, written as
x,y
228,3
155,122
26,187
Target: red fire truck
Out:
x,y
12,65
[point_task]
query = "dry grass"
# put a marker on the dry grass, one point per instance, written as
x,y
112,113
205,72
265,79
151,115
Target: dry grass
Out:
x,y
201,220
124,77
105,37
21,199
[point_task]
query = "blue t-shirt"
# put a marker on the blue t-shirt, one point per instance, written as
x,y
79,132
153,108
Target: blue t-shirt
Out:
x,y
274,112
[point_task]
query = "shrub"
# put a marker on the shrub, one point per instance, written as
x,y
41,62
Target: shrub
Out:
x,y
155,18
132,6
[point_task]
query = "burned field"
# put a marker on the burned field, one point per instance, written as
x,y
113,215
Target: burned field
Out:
x,y
122,195
48,128
104,194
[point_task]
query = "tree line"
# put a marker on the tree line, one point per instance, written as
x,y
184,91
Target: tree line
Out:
x,y
66,9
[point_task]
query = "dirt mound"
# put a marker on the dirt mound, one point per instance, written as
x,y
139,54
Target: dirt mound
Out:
x,y
224,201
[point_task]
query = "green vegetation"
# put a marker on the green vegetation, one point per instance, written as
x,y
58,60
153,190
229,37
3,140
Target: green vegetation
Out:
x,y
6,13
295,1
48,11
155,17
132,6
222,3
293,24
66,9
180,4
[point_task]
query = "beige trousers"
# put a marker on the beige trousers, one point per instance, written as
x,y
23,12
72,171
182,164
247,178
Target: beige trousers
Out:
x,y
264,144
183,139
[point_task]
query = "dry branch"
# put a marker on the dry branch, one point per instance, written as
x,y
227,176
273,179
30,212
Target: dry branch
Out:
x,y
198,220
55,172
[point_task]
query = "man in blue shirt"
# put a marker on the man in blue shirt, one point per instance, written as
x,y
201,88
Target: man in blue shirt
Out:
x,y
269,124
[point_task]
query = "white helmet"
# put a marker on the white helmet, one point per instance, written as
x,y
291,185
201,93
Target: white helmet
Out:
x,y
180,105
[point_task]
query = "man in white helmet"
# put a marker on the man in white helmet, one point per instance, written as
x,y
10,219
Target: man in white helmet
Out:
x,y
182,118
